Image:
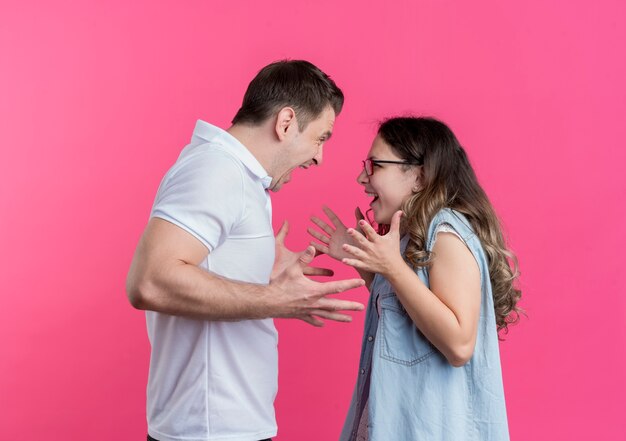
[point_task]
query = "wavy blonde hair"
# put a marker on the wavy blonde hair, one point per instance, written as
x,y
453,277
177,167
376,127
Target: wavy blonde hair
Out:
x,y
448,181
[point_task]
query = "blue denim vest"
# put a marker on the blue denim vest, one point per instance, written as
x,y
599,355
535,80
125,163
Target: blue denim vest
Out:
x,y
411,390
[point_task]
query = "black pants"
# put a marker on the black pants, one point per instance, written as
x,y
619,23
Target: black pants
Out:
x,y
152,439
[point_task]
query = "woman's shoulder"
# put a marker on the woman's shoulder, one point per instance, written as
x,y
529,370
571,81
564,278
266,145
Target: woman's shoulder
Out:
x,y
450,216
452,219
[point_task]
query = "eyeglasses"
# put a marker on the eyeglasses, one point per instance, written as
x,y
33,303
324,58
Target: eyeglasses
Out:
x,y
368,164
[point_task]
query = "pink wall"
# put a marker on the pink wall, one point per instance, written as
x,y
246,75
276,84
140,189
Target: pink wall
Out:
x,y
97,98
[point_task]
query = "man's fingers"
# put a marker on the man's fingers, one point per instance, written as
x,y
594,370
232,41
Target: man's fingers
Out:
x,y
319,236
314,271
336,316
323,225
337,305
338,286
333,217
282,233
306,256
312,321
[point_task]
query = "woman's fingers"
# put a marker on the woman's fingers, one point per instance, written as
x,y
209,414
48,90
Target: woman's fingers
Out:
x,y
323,225
319,236
355,263
370,233
395,222
355,251
358,214
319,248
358,236
333,217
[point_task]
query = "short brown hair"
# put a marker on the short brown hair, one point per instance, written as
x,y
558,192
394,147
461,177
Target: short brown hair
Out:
x,y
295,83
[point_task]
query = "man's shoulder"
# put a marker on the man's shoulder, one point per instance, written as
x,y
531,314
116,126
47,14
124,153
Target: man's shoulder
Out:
x,y
209,156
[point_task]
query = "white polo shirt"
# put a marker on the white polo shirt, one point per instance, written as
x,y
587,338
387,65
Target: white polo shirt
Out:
x,y
212,380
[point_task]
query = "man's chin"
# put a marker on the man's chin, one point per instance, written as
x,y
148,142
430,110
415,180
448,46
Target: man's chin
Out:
x,y
276,187
279,184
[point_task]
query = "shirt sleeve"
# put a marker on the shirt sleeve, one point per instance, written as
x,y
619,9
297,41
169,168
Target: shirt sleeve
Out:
x,y
203,194
445,227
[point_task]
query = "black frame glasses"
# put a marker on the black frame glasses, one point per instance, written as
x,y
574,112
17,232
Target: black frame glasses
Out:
x,y
368,164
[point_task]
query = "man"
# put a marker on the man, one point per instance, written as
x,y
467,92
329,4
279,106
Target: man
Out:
x,y
210,273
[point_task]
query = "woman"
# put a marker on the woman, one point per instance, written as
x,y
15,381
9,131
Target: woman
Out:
x,y
441,288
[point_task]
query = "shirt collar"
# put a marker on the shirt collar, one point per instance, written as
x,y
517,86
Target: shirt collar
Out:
x,y
208,132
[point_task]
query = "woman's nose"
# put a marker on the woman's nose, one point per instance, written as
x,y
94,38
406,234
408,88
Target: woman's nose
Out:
x,y
362,178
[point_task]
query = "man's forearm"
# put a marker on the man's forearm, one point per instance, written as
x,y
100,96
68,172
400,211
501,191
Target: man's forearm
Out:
x,y
187,290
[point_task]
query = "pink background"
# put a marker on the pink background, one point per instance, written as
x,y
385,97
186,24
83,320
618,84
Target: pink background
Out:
x,y
98,98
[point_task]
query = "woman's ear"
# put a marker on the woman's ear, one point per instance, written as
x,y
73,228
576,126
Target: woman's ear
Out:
x,y
417,186
285,119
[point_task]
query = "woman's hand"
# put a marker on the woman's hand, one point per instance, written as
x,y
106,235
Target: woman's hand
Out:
x,y
372,252
333,239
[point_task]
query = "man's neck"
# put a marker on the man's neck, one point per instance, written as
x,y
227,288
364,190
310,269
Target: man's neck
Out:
x,y
256,140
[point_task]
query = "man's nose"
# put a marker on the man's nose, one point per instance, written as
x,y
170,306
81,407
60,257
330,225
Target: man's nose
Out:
x,y
317,159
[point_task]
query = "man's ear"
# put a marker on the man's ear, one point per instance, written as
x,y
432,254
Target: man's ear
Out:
x,y
285,119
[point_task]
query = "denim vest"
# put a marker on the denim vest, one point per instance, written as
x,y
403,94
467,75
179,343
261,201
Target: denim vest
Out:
x,y
412,392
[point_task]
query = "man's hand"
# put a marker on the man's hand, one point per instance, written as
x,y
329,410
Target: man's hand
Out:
x,y
306,299
297,296
284,257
